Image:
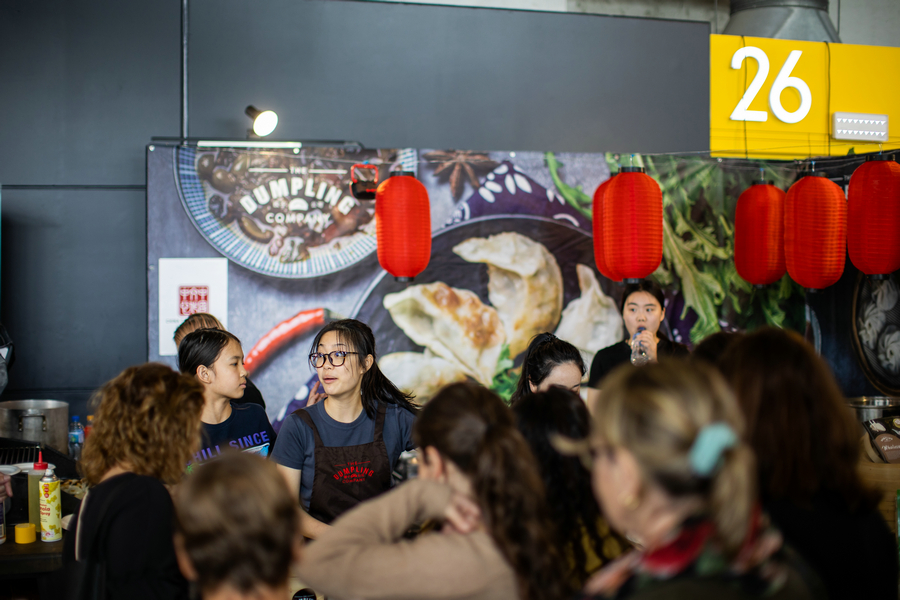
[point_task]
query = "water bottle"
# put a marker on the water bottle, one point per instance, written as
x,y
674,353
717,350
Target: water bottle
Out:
x,y
639,356
76,438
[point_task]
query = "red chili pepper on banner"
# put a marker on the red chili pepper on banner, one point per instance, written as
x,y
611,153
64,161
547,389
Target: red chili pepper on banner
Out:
x,y
300,324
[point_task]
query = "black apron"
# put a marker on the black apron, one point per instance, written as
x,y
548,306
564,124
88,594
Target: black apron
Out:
x,y
347,475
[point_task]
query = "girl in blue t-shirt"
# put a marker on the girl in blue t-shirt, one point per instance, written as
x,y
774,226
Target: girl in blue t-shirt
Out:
x,y
214,358
342,450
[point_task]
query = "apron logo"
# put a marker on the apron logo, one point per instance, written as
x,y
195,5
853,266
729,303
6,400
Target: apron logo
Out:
x,y
353,472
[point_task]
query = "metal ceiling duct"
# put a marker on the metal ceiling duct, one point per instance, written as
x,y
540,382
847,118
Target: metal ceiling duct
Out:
x,y
782,19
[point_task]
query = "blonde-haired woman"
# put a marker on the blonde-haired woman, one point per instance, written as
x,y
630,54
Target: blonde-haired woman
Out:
x,y
672,472
146,428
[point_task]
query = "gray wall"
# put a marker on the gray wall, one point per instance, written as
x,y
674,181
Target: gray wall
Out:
x,y
86,84
398,75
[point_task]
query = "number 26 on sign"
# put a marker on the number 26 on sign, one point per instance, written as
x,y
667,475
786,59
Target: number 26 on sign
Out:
x,y
782,80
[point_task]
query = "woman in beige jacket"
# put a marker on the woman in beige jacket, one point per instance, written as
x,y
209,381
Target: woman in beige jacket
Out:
x,y
477,477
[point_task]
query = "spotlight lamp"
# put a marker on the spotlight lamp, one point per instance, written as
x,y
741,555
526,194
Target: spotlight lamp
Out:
x,y
264,121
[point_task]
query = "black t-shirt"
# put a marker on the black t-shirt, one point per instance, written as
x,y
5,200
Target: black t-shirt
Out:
x,y
854,554
612,356
247,429
252,395
138,550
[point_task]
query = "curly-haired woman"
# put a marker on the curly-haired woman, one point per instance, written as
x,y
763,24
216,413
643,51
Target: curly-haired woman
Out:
x,y
147,426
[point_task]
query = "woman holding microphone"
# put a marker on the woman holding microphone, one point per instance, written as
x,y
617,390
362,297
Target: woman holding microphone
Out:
x,y
643,310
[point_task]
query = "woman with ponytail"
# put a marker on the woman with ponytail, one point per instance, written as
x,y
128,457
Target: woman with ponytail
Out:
x,y
672,472
549,362
476,477
342,450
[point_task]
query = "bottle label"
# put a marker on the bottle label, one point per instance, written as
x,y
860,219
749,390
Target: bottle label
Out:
x,y
51,517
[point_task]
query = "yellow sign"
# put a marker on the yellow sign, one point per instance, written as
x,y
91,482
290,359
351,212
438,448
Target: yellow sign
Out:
x,y
777,98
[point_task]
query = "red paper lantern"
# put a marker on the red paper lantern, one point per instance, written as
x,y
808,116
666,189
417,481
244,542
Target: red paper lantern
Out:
x,y
597,221
759,234
403,225
873,217
632,224
815,232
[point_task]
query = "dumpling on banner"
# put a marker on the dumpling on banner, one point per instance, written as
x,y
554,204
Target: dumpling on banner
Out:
x,y
421,374
524,284
592,321
453,323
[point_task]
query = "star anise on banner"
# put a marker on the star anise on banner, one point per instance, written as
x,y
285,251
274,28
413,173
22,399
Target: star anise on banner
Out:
x,y
458,162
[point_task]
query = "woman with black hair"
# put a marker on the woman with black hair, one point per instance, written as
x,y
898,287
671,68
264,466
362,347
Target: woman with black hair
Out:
x,y
342,450
643,310
581,532
214,358
549,361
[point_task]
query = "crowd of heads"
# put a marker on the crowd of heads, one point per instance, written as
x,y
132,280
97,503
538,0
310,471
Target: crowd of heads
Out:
x,y
673,432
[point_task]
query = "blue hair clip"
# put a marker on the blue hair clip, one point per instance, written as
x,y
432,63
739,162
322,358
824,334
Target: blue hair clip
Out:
x,y
711,442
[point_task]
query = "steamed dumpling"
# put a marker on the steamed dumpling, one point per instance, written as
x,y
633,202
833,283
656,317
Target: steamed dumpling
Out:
x,y
886,294
870,325
889,350
524,284
591,321
454,324
421,374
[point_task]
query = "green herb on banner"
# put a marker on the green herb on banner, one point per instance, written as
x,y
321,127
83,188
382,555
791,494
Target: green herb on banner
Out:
x,y
699,198
575,196
506,378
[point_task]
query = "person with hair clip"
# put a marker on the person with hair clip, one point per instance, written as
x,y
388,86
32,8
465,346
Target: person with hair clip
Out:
x,y
643,310
196,321
477,477
342,450
672,472
581,531
549,361
806,442
214,358
146,427
237,530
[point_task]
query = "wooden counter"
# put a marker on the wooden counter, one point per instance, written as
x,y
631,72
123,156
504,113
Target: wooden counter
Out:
x,y
29,559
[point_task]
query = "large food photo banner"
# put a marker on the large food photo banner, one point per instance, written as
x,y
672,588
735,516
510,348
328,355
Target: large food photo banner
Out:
x,y
274,244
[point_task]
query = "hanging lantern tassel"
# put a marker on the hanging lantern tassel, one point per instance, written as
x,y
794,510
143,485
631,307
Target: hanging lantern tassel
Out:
x,y
815,232
403,226
759,234
597,222
632,225
873,217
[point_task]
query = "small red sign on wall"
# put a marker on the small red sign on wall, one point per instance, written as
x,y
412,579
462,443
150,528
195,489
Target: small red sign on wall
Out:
x,y
193,299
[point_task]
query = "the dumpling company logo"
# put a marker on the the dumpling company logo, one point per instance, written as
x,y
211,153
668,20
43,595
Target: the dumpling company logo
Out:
x,y
353,472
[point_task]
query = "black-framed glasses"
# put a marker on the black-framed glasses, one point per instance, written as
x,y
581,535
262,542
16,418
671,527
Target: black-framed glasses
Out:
x,y
336,358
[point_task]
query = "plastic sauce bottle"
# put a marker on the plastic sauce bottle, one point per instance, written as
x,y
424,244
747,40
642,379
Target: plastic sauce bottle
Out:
x,y
76,438
639,356
51,508
34,491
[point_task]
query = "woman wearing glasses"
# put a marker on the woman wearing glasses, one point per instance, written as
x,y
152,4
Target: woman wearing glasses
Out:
x,y
341,451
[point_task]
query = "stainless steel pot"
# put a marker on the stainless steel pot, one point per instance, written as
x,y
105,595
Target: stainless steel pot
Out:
x,y
873,407
44,421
